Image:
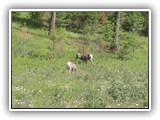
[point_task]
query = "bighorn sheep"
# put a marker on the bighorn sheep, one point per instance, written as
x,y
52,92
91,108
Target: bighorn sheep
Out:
x,y
71,66
84,58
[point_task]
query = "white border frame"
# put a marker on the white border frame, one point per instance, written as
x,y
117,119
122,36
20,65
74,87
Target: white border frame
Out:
x,y
74,10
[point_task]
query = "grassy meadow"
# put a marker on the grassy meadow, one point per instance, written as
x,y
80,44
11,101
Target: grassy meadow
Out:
x,y
40,79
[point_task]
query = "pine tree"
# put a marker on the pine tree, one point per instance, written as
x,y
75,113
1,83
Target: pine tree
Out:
x,y
116,36
52,22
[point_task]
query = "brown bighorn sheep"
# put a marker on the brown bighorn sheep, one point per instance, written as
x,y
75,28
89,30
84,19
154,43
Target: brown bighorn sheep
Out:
x,y
71,66
84,58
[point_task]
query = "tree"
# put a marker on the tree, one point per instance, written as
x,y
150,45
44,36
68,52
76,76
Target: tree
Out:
x,y
52,22
15,14
145,23
116,36
37,16
136,22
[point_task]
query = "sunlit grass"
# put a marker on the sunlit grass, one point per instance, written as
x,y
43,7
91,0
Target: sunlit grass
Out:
x,y
40,80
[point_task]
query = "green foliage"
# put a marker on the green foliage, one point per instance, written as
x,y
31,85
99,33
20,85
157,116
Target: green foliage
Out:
x,y
26,45
120,92
129,44
77,21
36,15
145,29
135,22
15,14
107,32
59,34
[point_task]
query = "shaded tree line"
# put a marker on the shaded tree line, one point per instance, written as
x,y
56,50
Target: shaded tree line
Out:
x,y
105,26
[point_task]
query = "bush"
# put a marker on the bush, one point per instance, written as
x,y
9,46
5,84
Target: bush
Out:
x,y
59,34
129,43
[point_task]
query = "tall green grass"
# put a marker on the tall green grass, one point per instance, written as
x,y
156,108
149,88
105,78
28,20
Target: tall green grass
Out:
x,y
40,79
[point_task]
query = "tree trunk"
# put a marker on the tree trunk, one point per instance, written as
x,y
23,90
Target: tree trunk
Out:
x,y
117,25
52,22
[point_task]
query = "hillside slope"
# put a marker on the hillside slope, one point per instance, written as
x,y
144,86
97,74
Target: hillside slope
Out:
x,y
40,80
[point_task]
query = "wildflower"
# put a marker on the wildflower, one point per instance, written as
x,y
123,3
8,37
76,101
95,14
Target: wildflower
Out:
x,y
137,105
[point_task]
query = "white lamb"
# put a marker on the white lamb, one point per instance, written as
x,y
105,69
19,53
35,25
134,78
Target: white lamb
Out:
x,y
71,66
